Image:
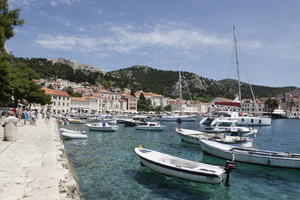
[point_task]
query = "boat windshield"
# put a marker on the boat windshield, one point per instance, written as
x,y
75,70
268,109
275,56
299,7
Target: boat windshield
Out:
x,y
225,124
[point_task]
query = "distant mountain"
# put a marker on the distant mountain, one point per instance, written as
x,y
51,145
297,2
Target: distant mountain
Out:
x,y
167,83
148,79
259,91
194,86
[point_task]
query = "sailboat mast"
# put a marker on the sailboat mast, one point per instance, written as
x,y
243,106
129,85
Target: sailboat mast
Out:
x,y
237,62
180,86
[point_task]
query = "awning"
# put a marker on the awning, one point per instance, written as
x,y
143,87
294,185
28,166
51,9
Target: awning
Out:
x,y
236,104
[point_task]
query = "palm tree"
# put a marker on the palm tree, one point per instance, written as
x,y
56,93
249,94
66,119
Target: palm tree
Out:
x,y
271,104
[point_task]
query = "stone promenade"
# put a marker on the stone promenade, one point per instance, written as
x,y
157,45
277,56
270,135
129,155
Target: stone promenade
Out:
x,y
34,166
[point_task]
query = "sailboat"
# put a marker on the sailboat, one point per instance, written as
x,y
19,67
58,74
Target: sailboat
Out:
x,y
176,117
242,120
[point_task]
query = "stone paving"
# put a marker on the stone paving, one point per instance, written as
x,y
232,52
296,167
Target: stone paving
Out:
x,y
33,166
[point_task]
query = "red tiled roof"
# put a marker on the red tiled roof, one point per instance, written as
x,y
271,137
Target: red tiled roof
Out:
x,y
78,99
55,92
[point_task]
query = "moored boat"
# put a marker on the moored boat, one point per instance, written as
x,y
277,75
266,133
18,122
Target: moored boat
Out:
x,y
102,126
250,155
229,126
70,131
175,118
151,126
192,136
180,168
69,135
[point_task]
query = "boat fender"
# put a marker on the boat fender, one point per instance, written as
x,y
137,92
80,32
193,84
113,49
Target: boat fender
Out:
x,y
229,166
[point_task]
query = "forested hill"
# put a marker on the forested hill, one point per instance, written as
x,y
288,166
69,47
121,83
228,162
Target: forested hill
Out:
x,y
149,79
49,70
167,83
193,86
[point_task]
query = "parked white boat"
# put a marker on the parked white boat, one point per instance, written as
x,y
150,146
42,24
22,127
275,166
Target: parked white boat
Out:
x,y
180,168
68,135
102,126
70,131
175,118
207,120
247,120
151,126
229,126
250,155
192,136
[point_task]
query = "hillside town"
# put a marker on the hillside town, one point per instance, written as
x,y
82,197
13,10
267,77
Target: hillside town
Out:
x,y
100,100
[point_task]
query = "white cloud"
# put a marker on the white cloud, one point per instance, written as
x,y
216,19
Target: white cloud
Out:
x,y
57,18
127,39
26,3
99,12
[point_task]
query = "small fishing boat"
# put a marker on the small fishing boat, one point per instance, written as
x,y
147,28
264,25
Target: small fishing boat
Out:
x,y
69,135
102,126
181,168
75,121
192,136
250,155
70,131
151,126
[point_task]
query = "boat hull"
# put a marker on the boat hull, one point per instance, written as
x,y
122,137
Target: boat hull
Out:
x,y
68,135
175,119
103,128
249,121
147,128
272,161
181,172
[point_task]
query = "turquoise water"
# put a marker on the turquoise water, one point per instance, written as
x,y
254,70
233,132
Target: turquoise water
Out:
x,y
107,167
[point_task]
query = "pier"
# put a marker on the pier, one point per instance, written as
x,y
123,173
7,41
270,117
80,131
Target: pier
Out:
x,y
35,166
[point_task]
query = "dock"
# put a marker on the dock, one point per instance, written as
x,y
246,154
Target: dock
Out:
x,y
35,166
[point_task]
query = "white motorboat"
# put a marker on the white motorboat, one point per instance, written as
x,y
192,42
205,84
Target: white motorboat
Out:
x,y
250,155
250,121
102,126
70,131
207,120
229,126
69,135
279,114
180,168
175,118
192,136
151,126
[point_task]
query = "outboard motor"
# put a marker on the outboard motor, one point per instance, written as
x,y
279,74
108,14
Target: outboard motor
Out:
x,y
229,166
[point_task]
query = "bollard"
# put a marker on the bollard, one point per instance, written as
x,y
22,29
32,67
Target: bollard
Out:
x,y
10,128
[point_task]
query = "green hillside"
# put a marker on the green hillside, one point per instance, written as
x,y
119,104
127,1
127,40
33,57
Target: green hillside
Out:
x,y
148,79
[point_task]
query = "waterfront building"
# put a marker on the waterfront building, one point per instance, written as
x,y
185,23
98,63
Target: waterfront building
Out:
x,y
157,100
60,101
188,106
80,105
131,102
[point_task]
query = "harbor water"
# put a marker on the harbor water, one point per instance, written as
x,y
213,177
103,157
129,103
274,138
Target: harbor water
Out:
x,y
107,167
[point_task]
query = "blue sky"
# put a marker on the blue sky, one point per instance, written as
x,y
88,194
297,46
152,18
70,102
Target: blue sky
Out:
x,y
165,34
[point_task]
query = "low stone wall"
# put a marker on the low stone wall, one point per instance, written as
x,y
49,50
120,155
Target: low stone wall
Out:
x,y
68,187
